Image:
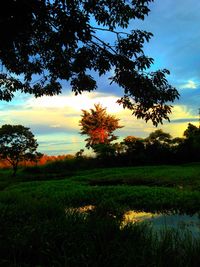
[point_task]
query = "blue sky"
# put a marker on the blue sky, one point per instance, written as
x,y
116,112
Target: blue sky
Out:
x,y
175,46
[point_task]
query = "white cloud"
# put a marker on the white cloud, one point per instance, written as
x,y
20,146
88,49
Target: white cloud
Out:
x,y
55,125
189,85
64,112
75,103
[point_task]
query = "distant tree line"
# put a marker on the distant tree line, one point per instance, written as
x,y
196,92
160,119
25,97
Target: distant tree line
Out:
x,y
19,147
159,147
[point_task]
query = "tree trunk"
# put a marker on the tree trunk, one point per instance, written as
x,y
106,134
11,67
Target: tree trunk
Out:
x,y
14,171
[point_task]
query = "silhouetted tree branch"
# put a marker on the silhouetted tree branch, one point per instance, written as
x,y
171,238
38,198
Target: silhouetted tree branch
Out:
x,y
51,41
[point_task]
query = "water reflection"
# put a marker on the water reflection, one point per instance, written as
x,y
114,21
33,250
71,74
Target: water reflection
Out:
x,y
157,220
160,221
82,209
132,216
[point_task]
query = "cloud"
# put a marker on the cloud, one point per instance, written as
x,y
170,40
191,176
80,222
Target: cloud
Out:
x,y
175,45
61,113
185,120
75,103
55,120
176,41
189,85
45,129
179,119
55,143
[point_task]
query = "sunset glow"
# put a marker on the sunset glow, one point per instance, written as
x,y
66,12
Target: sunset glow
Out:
x,y
175,46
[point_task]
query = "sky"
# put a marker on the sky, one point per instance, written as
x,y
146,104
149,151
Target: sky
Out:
x,y
175,45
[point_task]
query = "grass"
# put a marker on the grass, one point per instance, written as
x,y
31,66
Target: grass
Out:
x,y
183,175
150,188
38,228
51,238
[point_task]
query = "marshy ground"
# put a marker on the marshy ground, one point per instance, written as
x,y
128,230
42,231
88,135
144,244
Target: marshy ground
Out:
x,y
41,222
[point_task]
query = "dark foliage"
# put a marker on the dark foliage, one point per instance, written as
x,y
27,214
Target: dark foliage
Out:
x,y
158,148
44,42
17,143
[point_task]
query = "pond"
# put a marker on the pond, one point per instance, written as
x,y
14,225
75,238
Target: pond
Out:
x,y
158,221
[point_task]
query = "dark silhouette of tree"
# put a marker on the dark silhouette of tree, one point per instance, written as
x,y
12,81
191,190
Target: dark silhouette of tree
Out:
x,y
159,136
133,143
190,148
44,42
134,149
79,154
177,141
192,131
105,152
158,147
98,126
17,144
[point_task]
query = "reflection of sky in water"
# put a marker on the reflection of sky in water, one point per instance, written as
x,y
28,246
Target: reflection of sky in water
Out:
x,y
164,221
159,221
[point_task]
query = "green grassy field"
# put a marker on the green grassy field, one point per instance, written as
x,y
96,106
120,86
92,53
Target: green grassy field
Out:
x,y
149,188
39,228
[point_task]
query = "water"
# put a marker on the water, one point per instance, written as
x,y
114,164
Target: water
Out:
x,y
159,221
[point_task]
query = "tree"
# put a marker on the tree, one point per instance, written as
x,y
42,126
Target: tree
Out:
x,y
79,154
60,40
159,137
134,148
133,144
191,145
17,144
98,126
158,147
192,131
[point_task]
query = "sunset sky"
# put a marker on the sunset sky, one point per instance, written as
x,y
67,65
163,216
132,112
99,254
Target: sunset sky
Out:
x,y
175,46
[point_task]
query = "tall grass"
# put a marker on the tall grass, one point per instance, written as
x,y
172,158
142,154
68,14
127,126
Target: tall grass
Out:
x,y
44,234
38,228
